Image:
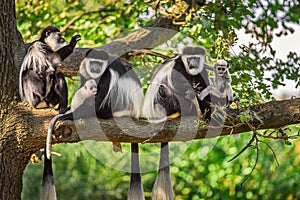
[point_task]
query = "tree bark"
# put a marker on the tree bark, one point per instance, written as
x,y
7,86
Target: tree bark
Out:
x,y
23,129
148,37
274,114
14,152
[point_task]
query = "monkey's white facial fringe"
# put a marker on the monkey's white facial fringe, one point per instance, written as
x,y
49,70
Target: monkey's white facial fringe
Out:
x,y
198,69
53,40
86,65
35,60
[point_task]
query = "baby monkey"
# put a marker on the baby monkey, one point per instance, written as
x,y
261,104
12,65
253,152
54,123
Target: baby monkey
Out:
x,y
223,80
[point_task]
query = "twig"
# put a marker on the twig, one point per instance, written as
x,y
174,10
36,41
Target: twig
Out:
x,y
147,51
256,161
272,151
244,149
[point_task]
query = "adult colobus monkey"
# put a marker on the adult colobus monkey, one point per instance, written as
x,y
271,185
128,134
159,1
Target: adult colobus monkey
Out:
x,y
84,98
222,87
39,83
174,85
119,93
172,90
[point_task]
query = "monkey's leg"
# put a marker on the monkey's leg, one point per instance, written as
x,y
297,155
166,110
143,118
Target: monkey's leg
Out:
x,y
212,91
61,90
34,89
162,188
135,191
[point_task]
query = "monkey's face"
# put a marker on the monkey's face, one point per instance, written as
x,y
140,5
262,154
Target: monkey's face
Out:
x,y
91,86
95,63
94,67
221,67
194,64
55,40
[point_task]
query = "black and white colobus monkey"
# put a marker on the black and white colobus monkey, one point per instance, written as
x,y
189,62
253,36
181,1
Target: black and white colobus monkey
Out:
x,y
222,81
84,98
39,83
119,93
119,89
172,90
174,85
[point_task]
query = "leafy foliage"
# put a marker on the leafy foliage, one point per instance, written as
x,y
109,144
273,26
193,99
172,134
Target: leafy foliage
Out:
x,y
213,25
195,174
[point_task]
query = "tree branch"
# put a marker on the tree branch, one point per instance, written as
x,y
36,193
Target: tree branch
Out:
x,y
274,114
160,31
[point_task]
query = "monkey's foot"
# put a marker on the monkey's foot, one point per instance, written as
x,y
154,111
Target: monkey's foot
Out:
x,y
117,147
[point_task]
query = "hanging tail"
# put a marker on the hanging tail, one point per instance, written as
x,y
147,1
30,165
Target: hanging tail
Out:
x,y
162,189
135,191
48,191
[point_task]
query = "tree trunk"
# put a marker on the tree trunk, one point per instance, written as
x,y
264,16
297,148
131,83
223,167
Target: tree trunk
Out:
x,y
13,156
23,129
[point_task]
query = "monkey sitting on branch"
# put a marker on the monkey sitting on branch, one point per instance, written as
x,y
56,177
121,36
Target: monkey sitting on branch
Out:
x,y
222,81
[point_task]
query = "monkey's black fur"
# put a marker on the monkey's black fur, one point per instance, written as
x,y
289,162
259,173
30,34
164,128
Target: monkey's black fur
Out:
x,y
175,99
39,80
136,191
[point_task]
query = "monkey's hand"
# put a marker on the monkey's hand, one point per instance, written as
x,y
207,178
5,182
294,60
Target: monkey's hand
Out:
x,y
75,39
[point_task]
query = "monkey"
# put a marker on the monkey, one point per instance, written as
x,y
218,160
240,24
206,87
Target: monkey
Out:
x,y
39,82
119,89
222,81
119,93
83,96
136,191
93,66
82,102
172,93
175,83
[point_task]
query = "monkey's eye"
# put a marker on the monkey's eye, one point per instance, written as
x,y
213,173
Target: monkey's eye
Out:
x,y
221,69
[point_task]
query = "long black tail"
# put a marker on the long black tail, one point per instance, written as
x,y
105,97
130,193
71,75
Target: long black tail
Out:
x,y
136,191
162,189
48,191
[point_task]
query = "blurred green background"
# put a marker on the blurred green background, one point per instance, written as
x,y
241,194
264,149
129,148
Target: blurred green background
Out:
x,y
197,174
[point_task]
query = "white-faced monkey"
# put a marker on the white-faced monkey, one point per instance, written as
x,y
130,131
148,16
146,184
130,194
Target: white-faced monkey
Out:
x,y
172,92
40,84
223,80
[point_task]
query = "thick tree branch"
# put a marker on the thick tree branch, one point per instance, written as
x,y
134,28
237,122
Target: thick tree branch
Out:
x,y
273,114
160,31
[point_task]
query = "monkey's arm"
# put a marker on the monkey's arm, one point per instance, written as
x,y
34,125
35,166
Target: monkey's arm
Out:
x,y
65,51
229,92
208,67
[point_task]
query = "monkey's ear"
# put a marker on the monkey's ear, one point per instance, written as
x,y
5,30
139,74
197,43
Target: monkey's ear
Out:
x,y
47,33
227,61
